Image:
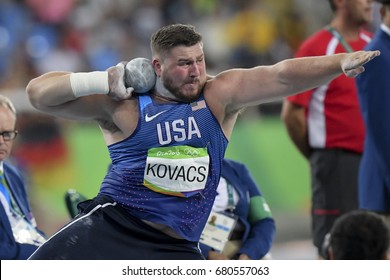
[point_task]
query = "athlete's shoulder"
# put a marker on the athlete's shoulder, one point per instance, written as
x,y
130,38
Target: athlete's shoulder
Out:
x,y
216,84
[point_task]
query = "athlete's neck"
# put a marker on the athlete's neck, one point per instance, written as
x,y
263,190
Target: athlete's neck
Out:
x,y
162,93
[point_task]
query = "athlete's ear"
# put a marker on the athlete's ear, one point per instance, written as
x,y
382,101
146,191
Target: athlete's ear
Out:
x,y
157,66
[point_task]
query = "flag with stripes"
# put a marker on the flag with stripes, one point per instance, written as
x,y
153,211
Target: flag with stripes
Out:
x,y
198,105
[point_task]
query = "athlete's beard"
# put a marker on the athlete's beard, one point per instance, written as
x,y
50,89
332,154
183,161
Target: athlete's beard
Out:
x,y
166,88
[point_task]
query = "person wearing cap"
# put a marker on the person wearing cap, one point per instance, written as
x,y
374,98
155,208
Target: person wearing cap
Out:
x,y
326,124
374,96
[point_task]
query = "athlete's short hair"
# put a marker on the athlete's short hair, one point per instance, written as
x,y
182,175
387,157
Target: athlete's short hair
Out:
x,y
170,36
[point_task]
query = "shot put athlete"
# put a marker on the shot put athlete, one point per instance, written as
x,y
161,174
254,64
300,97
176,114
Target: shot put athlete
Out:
x,y
167,146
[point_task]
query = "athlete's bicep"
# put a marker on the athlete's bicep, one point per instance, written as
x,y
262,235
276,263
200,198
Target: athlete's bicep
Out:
x,y
88,108
240,88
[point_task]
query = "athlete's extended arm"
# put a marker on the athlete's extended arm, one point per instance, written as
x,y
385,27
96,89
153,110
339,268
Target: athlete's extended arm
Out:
x,y
248,87
78,95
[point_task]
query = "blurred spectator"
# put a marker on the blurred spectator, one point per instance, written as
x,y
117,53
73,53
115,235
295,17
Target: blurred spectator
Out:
x,y
251,33
240,199
19,235
358,235
374,180
318,121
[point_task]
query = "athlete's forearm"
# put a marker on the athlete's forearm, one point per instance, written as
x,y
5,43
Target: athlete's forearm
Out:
x,y
57,88
305,73
50,89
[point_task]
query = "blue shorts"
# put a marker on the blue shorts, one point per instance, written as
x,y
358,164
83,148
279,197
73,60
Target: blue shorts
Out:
x,y
103,230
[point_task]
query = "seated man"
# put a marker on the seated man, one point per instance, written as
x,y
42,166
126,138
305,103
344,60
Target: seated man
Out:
x,y
241,213
359,235
19,235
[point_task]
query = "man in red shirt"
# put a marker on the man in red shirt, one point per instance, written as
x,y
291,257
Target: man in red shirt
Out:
x,y
326,124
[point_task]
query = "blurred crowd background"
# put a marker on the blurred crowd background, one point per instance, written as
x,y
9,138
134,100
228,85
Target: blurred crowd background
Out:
x,y
37,36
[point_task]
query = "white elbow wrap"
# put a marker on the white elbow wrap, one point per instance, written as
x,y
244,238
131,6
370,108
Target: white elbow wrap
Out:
x,y
84,84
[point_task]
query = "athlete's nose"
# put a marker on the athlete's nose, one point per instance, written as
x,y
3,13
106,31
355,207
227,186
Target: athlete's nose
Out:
x,y
194,70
